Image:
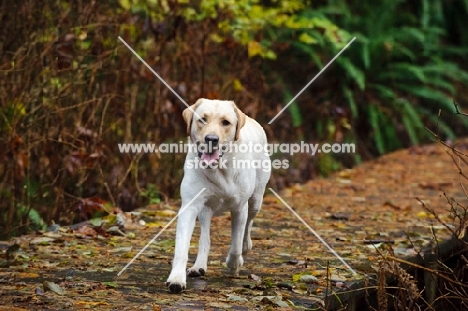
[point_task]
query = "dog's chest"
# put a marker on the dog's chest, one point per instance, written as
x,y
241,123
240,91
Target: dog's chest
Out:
x,y
229,183
220,205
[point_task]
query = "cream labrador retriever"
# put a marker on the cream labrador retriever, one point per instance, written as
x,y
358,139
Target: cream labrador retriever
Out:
x,y
213,125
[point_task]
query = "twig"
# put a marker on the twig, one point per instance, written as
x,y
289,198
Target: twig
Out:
x,y
460,171
458,111
445,144
437,217
109,192
135,159
426,269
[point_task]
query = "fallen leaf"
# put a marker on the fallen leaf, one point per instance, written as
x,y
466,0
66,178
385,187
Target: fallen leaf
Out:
x,y
308,279
111,284
91,303
124,249
53,287
256,278
53,235
41,240
236,298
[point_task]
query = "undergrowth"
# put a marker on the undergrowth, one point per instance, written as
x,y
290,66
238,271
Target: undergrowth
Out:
x,y
440,280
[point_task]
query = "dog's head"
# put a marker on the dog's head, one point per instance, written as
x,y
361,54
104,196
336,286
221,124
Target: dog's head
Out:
x,y
212,124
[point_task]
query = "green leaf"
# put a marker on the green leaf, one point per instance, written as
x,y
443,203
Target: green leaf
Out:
x,y
384,91
304,37
392,141
410,129
409,34
36,218
352,103
375,124
269,54
355,73
313,53
431,95
448,69
293,109
405,51
414,116
442,83
365,55
409,70
96,222
126,4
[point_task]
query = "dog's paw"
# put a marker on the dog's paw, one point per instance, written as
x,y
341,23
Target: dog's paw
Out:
x,y
234,263
175,287
246,246
195,272
176,282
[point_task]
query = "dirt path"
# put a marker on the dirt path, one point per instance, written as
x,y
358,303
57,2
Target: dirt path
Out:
x,y
74,270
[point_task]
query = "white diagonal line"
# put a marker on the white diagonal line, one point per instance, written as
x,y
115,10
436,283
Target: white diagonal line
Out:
x,y
160,232
315,233
316,76
159,77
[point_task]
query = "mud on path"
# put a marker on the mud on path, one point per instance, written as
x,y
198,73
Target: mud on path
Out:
x,y
288,267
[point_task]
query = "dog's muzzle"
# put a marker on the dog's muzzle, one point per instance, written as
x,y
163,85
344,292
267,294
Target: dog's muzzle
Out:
x,y
210,151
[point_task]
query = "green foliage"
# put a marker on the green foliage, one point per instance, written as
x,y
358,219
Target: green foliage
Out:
x,y
294,109
327,164
36,219
397,74
243,21
152,194
28,217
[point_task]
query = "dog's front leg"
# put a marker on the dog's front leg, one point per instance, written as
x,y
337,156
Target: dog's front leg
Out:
x,y
201,264
185,225
239,219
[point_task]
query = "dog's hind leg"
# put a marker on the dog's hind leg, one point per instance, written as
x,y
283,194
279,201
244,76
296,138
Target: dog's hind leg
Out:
x,y
238,221
201,264
255,204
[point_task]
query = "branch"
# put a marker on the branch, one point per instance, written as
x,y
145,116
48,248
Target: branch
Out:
x,y
458,111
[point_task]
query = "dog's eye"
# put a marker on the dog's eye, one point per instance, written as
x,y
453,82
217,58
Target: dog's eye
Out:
x,y
226,122
202,120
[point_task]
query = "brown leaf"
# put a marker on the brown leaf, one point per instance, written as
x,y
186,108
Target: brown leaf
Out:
x,y
87,231
88,206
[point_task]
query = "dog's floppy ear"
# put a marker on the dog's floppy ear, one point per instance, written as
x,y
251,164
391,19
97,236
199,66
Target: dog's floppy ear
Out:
x,y
187,114
241,117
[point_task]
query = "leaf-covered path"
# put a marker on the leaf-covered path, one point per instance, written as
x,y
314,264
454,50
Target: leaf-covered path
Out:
x,y
287,268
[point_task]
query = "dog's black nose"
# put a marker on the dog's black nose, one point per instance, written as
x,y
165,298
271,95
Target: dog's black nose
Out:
x,y
213,139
